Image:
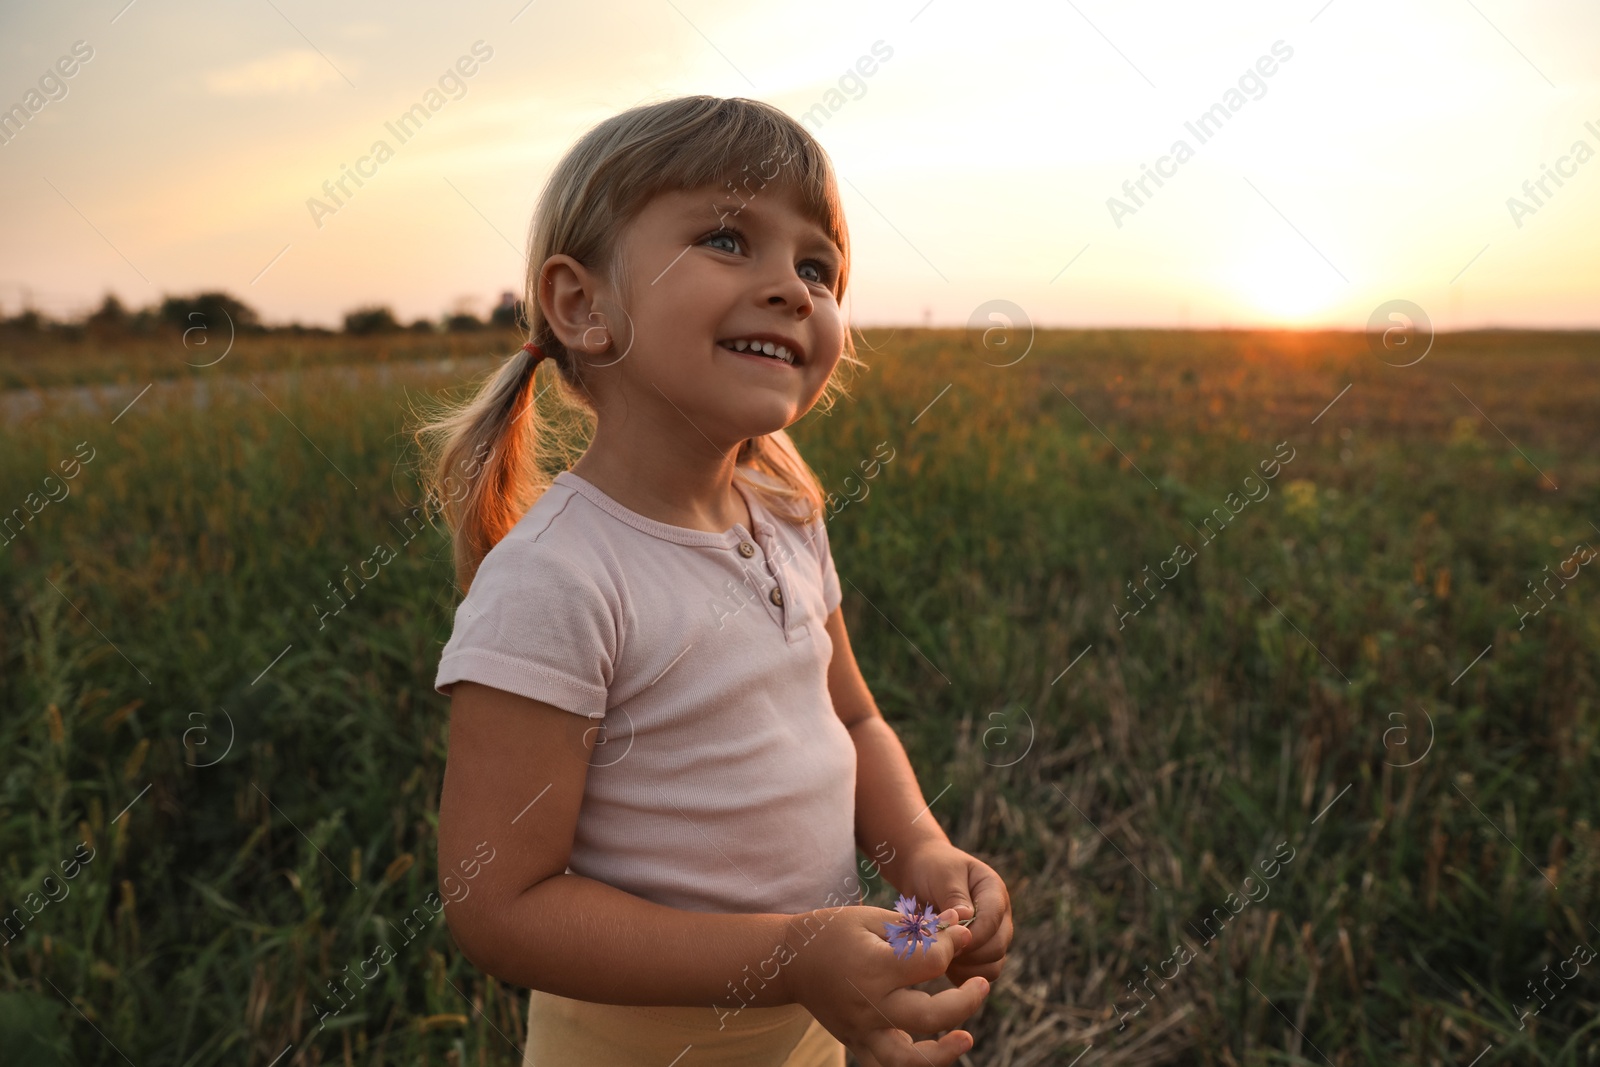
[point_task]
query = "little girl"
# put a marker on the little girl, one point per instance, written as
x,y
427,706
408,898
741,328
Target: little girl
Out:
x,y
657,723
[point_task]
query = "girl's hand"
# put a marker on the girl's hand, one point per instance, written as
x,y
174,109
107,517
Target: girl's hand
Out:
x,y
843,969
951,878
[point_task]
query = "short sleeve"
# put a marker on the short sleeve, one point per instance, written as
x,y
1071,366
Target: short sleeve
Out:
x,y
831,593
536,623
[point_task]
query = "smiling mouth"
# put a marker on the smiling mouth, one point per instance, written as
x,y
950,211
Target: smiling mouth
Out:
x,y
777,356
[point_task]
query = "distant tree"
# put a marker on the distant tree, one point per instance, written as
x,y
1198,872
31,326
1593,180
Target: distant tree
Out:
x,y
109,320
370,320
462,322
507,314
214,311
423,326
145,321
27,321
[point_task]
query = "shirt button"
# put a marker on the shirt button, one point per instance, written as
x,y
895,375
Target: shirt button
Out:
x,y
776,596
746,549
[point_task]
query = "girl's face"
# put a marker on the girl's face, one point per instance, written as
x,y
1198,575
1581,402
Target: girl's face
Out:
x,y
708,269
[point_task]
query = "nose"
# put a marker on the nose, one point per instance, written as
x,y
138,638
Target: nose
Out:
x,y
791,291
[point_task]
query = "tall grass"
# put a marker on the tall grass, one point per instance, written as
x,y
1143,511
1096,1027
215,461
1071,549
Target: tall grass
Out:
x,y
1272,692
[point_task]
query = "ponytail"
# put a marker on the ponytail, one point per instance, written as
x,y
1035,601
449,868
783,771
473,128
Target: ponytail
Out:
x,y
491,444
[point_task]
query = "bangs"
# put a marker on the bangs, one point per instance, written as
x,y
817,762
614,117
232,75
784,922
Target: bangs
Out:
x,y
741,147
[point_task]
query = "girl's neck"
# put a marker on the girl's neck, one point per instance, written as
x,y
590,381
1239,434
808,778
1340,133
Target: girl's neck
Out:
x,y
694,498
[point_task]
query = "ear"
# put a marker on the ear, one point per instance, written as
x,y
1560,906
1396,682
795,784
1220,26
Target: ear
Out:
x,y
567,291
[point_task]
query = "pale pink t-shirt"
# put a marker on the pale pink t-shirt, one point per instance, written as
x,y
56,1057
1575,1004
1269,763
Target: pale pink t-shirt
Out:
x,y
722,779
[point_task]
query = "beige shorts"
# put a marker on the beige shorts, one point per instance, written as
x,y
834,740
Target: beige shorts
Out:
x,y
577,1033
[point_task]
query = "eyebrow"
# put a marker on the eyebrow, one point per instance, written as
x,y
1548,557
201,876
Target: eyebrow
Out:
x,y
748,209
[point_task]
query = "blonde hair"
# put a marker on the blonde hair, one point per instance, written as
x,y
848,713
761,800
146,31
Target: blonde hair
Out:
x,y
597,188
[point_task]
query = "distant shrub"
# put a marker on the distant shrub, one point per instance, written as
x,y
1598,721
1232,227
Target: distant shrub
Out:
x,y
508,316
370,320
109,320
214,311
28,321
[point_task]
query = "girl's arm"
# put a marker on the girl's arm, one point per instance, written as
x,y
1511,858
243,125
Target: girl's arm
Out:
x,y
899,829
513,784
892,818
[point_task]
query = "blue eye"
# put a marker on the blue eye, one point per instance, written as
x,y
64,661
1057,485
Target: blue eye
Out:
x,y
725,232
825,274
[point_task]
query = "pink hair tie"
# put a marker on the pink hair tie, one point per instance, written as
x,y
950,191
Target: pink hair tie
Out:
x,y
535,350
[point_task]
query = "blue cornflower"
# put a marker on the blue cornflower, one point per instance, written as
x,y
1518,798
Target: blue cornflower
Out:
x,y
913,929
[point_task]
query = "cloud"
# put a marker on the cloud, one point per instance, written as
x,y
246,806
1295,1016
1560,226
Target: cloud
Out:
x,y
291,72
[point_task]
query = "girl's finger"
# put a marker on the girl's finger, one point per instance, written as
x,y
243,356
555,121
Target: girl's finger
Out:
x,y
978,955
982,951
960,973
894,1048
990,903
917,1012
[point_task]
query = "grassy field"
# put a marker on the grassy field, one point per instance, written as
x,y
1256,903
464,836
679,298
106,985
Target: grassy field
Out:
x,y
1343,689
44,361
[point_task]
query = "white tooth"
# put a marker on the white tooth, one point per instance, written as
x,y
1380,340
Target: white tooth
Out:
x,y
764,347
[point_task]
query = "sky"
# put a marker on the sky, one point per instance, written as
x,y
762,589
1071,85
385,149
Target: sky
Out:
x,y
1357,153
